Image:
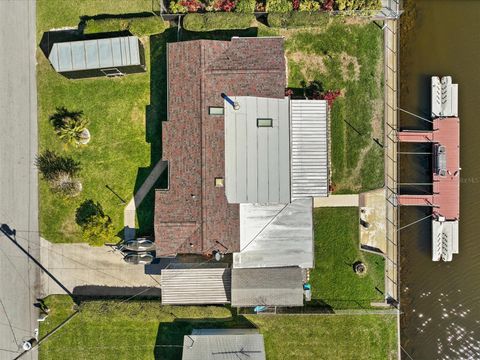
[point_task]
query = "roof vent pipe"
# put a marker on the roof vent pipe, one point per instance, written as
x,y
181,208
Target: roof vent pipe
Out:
x,y
234,104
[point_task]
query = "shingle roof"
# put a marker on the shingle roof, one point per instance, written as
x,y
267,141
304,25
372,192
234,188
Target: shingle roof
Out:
x,y
223,345
193,216
267,286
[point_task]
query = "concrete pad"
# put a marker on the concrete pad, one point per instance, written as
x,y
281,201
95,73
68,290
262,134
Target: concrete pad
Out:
x,y
373,212
80,267
350,200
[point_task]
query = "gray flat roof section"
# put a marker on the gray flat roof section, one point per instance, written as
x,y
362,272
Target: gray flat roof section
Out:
x,y
195,286
95,54
257,159
223,346
276,235
267,286
309,148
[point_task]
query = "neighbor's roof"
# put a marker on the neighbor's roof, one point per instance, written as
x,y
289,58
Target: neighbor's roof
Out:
x,y
257,159
309,148
95,54
195,286
267,286
193,216
219,344
276,235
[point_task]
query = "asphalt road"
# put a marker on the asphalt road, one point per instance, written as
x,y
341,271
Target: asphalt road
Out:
x,y
18,176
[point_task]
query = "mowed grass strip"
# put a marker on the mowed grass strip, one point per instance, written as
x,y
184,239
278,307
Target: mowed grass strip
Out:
x,y
148,330
334,283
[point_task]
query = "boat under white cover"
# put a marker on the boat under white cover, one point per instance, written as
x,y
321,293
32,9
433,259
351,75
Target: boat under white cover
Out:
x,y
444,239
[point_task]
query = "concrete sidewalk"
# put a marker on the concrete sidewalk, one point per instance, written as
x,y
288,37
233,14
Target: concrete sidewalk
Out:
x,y
83,269
350,200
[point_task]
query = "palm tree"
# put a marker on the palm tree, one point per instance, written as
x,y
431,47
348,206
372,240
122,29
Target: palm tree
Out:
x,y
70,126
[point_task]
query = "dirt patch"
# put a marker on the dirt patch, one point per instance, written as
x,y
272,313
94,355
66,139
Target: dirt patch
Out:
x,y
350,67
70,229
356,20
137,116
311,64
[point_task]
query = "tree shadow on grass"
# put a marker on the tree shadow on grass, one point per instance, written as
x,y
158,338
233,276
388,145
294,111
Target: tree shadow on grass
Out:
x,y
169,343
217,34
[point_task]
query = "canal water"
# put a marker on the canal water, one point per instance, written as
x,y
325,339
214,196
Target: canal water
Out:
x,y
441,301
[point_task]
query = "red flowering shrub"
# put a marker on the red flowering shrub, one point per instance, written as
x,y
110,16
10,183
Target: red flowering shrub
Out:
x,y
224,5
330,96
192,5
328,5
288,92
296,4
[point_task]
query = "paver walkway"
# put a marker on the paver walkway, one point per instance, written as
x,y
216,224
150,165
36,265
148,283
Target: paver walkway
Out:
x,y
350,200
131,208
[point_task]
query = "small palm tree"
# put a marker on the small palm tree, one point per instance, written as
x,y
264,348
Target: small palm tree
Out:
x,y
70,126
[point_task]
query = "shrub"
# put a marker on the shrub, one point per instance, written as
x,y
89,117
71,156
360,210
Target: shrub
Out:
x,y
245,6
86,210
309,5
224,5
60,172
51,165
141,26
98,230
217,21
328,5
298,19
177,8
358,4
186,6
279,6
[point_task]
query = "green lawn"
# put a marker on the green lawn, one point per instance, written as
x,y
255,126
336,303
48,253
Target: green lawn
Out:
x,y
348,57
333,280
125,122
110,330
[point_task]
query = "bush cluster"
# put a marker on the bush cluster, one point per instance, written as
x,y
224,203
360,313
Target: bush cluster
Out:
x,y
141,26
358,4
217,21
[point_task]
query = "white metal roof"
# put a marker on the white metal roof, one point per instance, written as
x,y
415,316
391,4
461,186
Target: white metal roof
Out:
x,y
309,148
95,54
257,159
196,286
275,235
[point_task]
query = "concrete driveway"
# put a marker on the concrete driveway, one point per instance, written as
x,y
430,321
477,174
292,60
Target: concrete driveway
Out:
x,y
18,175
87,270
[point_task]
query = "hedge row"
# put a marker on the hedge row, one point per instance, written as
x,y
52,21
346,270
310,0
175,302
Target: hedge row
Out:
x,y
217,21
141,26
298,19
